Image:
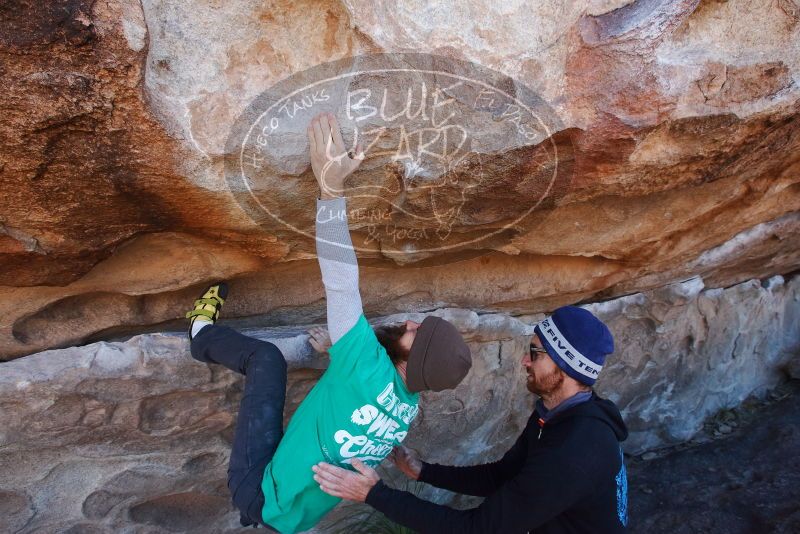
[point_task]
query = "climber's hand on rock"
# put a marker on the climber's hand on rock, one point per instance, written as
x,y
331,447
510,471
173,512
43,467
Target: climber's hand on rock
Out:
x,y
329,157
353,486
320,339
406,461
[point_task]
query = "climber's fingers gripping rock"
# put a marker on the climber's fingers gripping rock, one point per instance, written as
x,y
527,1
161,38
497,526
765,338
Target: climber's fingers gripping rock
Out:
x,y
319,339
330,160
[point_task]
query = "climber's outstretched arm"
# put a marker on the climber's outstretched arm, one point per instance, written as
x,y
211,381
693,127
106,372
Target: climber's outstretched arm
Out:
x,y
337,259
339,267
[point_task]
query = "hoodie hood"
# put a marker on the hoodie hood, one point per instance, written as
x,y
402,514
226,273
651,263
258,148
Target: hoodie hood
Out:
x,y
597,408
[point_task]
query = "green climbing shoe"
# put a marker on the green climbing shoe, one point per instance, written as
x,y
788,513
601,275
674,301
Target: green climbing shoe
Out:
x,y
207,307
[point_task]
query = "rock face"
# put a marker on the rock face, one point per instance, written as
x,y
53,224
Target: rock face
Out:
x,y
675,125
136,435
684,352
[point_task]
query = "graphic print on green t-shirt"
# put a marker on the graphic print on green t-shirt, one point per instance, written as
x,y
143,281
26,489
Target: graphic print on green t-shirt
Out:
x,y
360,408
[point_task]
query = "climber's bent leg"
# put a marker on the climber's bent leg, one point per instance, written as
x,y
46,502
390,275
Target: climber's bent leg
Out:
x,y
259,429
225,346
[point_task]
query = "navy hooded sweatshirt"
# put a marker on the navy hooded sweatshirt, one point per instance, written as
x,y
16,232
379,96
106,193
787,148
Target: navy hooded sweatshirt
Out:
x,y
566,475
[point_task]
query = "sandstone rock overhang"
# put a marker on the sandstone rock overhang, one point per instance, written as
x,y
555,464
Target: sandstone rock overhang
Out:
x,y
681,118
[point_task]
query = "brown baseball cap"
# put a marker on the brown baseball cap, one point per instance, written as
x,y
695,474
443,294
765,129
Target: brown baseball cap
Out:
x,y
439,357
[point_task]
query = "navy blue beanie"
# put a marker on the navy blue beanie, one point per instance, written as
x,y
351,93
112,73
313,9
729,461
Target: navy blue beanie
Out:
x,y
577,341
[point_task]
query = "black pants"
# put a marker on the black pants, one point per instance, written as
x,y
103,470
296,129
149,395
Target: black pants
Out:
x,y
259,427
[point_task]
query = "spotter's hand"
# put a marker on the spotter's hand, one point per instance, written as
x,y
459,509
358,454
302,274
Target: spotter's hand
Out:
x,y
350,485
406,462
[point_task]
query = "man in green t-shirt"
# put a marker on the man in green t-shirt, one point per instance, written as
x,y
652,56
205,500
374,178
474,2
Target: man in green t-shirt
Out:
x,y
363,404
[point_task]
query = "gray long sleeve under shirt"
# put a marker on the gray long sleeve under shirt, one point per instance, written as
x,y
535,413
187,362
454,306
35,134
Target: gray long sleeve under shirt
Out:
x,y
339,267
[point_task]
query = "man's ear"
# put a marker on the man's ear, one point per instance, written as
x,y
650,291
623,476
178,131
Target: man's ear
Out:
x,y
580,385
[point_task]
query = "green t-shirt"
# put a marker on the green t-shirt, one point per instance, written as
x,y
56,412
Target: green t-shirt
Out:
x,y
360,408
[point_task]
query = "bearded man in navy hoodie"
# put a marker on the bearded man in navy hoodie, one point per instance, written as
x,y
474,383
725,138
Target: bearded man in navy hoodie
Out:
x,y
564,474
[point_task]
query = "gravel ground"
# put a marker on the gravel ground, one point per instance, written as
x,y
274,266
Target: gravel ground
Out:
x,y
741,474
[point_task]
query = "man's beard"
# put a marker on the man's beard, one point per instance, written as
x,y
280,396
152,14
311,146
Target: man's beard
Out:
x,y
546,385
